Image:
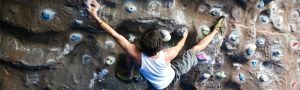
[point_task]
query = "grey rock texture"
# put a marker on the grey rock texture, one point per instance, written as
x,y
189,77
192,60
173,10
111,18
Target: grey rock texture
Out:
x,y
38,49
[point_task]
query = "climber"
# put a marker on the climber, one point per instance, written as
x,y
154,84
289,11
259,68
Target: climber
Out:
x,y
157,64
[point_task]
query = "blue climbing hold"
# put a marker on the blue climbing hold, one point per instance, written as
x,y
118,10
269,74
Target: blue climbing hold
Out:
x,y
241,77
75,37
254,62
250,49
48,14
264,19
130,7
276,53
260,4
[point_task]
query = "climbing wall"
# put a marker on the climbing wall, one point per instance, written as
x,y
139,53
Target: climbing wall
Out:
x,y
56,44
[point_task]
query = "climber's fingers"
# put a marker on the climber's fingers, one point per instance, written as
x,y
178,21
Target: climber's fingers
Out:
x,y
96,5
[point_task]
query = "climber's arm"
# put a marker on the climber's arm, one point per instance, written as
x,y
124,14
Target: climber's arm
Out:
x,y
123,42
172,52
205,41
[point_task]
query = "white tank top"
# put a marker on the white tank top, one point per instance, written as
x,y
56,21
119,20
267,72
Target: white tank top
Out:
x,y
157,71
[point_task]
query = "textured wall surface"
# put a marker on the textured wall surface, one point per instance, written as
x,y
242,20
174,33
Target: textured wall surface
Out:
x,y
56,45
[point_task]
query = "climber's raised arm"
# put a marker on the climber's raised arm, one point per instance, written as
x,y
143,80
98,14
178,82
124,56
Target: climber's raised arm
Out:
x,y
124,43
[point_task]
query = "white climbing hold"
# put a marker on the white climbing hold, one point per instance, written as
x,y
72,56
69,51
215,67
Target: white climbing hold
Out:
x,y
130,7
110,60
109,44
165,35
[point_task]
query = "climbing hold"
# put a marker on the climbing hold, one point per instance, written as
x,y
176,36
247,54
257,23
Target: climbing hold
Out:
x,y
264,19
237,65
77,22
250,50
293,83
295,14
109,44
205,76
260,4
165,35
254,62
130,7
215,11
234,36
83,13
86,59
67,49
110,60
294,44
92,81
292,27
131,37
263,78
260,41
205,30
203,8
48,14
277,54
75,37
241,77
278,22
201,56
32,79
102,74
221,74
137,78
169,3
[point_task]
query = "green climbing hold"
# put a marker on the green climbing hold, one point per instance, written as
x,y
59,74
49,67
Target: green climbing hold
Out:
x,y
205,30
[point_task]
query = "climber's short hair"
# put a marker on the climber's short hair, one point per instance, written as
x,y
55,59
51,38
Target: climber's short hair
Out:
x,y
150,42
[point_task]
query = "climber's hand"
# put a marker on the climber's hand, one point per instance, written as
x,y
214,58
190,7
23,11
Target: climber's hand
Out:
x,y
186,32
93,7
